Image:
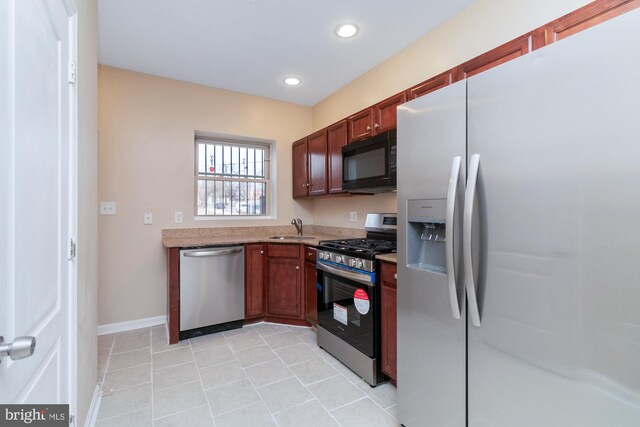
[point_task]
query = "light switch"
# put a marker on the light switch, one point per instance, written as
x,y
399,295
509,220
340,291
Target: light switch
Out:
x,y
353,216
107,208
178,217
148,218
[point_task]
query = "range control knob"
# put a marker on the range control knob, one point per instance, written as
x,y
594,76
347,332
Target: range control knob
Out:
x,y
338,259
359,263
324,255
352,262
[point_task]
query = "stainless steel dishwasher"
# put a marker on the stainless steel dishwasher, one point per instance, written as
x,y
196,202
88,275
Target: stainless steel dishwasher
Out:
x,y
211,290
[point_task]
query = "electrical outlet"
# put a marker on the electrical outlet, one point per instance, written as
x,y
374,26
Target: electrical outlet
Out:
x,y
178,217
353,216
148,218
107,208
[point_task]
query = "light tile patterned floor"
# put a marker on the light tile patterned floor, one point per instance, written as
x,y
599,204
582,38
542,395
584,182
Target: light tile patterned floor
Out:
x,y
261,375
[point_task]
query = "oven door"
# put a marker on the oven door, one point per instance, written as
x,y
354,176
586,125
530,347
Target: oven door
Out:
x,y
347,305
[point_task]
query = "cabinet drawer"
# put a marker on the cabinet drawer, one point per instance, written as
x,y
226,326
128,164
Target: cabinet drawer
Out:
x,y
283,251
310,253
389,273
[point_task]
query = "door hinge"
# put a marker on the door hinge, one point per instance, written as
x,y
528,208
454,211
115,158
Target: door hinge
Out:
x,y
73,72
72,419
72,249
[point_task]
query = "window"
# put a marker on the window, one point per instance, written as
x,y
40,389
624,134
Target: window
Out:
x,y
232,177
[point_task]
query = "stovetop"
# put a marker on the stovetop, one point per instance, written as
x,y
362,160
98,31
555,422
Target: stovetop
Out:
x,y
364,248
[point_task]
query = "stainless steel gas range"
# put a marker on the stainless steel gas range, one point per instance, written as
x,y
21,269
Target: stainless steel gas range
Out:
x,y
349,296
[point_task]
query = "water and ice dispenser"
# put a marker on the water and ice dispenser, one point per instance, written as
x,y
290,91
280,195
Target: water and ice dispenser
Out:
x,y
426,235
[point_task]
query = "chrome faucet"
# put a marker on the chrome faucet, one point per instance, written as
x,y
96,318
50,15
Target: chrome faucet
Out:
x,y
298,224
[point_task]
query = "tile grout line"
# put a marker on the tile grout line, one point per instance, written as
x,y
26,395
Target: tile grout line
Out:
x,y
206,398
153,403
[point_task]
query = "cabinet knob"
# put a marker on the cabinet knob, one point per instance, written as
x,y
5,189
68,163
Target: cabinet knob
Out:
x,y
368,127
376,126
261,252
309,253
307,184
297,267
395,276
304,185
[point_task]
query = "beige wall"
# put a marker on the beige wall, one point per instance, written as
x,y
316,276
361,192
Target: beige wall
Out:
x,y
87,293
146,127
484,25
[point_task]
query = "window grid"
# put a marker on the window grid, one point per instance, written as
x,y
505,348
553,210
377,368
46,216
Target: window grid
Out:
x,y
232,179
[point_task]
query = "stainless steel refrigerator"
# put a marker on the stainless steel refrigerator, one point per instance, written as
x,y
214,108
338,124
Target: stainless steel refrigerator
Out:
x,y
519,241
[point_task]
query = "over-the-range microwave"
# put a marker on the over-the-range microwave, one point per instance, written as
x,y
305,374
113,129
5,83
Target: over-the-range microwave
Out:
x,y
369,166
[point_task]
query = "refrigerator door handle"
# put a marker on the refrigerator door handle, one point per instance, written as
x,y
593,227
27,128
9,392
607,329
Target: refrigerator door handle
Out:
x,y
469,197
452,194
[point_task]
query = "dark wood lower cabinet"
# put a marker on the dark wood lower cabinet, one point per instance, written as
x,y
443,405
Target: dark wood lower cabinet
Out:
x,y
284,290
389,320
274,285
311,294
255,280
285,295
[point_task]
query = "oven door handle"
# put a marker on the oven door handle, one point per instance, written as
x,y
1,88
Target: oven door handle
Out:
x,y
348,274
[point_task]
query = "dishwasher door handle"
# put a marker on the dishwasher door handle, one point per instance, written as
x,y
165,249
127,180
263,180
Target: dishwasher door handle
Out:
x,y
209,253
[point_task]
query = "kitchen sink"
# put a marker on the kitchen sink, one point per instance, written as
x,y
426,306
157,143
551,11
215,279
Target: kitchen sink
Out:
x,y
292,237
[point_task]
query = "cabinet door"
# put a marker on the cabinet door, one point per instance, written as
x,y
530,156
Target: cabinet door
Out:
x,y
284,290
360,125
336,139
587,16
389,320
317,146
494,57
311,294
385,112
254,302
431,85
299,159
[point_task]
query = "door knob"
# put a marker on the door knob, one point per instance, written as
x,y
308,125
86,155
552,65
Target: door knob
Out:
x,y
20,348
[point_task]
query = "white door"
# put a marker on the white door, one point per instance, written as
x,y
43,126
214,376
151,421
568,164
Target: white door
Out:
x,y
37,193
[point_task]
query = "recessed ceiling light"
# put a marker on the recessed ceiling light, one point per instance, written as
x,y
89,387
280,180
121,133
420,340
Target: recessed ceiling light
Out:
x,y
346,30
292,81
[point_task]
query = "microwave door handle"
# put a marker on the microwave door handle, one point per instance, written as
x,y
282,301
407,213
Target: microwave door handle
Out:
x,y
452,194
352,275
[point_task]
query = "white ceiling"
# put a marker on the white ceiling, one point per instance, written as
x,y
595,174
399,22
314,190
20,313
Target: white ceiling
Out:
x,y
250,46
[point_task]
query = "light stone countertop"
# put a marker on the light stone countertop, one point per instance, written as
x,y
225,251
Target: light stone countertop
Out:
x,y
215,236
388,257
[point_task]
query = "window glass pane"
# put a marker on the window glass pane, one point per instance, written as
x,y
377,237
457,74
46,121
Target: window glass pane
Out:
x,y
251,161
230,171
259,163
202,197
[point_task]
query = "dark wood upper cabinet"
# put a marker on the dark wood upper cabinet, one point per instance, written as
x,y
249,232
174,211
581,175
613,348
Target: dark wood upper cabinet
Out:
x,y
317,147
587,16
385,114
494,57
255,280
428,86
379,118
336,139
299,167
361,125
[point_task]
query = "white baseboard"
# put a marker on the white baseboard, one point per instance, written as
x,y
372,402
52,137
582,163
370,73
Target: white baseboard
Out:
x,y
94,407
130,325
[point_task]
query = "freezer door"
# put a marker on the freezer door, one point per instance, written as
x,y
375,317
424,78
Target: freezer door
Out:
x,y
431,341
557,230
